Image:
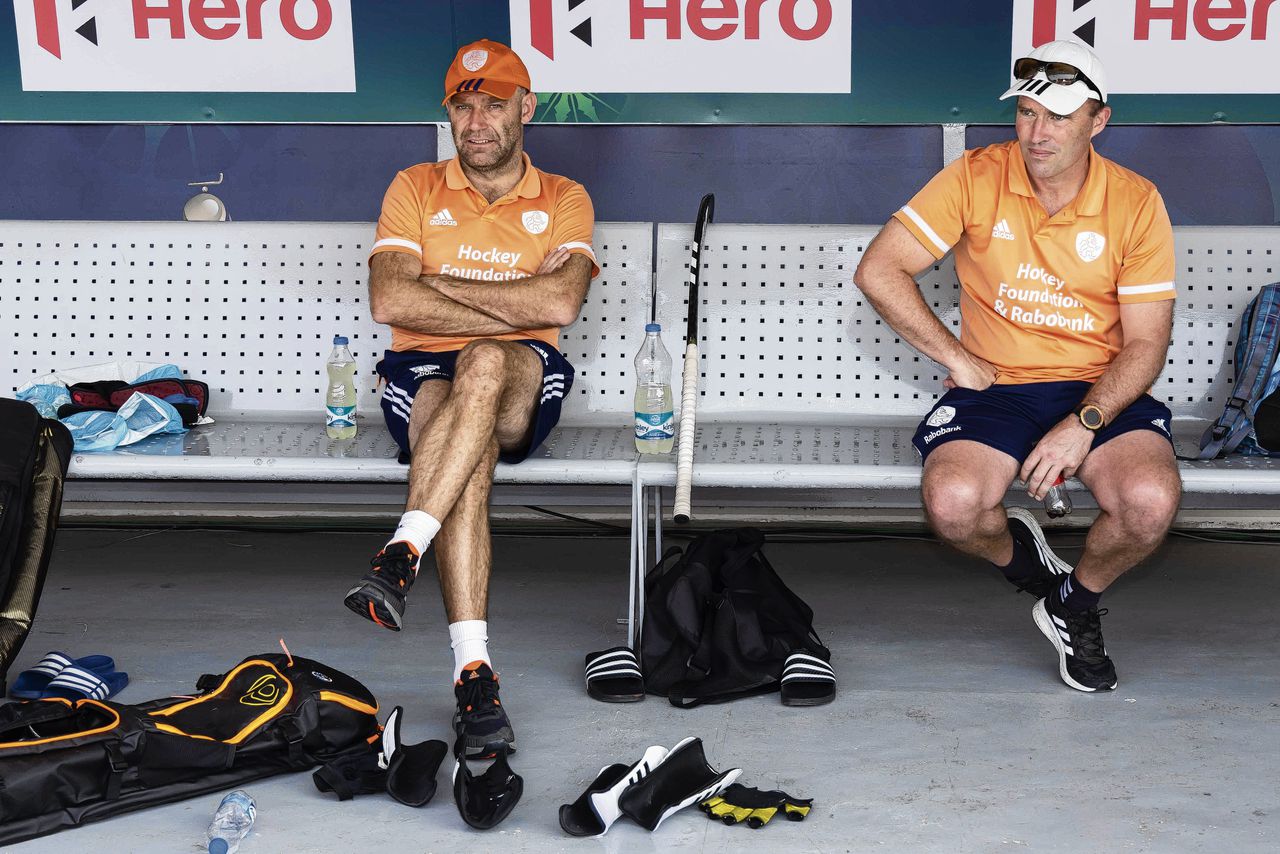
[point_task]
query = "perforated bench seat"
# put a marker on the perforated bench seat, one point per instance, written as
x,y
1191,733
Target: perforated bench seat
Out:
x,y
264,447
876,453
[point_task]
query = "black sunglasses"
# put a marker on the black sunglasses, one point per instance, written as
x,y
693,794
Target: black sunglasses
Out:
x,y
1062,73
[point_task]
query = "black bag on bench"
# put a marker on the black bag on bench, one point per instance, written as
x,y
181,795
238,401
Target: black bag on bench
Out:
x,y
34,455
63,764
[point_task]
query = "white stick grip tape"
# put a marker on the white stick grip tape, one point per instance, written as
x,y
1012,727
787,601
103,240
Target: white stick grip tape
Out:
x,y
688,410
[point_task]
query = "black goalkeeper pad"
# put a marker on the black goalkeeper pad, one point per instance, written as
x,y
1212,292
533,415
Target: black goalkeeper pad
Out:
x,y
411,768
407,772
484,801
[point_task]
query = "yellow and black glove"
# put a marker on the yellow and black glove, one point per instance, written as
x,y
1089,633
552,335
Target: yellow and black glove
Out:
x,y
740,804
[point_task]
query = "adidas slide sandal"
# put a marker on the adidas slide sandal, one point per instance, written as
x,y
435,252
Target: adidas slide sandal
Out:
x,y
30,684
613,676
807,681
76,683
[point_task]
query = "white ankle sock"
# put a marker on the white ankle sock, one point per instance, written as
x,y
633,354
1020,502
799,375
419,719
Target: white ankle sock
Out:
x,y
417,529
469,641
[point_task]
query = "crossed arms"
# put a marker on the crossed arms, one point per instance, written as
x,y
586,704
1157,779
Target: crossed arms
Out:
x,y
400,295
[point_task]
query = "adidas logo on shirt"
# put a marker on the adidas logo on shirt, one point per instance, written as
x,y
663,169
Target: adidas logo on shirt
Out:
x,y
443,218
1002,231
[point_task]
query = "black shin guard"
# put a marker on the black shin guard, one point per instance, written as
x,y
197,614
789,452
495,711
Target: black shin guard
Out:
x,y
682,779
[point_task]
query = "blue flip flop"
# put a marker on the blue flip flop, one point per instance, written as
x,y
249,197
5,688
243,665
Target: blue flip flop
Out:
x,y
30,684
76,683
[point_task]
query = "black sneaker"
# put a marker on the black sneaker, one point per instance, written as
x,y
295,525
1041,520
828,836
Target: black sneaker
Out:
x,y
380,595
481,721
1082,657
1051,569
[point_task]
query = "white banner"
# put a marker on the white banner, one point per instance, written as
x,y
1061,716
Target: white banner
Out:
x,y
685,45
185,45
1149,47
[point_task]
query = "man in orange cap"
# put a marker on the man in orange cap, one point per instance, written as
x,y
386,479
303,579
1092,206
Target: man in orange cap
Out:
x,y
479,260
1066,268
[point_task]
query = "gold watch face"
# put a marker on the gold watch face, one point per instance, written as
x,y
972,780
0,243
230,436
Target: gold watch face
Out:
x,y
1091,417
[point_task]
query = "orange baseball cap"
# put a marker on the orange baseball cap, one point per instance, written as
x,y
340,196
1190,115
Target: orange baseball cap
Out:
x,y
486,66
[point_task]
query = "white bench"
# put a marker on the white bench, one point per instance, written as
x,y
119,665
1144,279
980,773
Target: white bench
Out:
x,y
251,309
804,388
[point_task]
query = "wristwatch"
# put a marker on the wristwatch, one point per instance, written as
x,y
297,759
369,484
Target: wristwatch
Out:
x,y
1091,416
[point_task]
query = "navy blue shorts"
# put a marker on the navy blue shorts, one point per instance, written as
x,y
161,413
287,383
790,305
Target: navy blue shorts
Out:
x,y
1013,418
407,370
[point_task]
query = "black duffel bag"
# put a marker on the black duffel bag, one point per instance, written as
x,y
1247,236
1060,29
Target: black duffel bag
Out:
x,y
719,623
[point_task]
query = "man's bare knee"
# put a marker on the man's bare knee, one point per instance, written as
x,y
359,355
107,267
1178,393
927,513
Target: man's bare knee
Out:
x,y
481,369
1145,503
954,502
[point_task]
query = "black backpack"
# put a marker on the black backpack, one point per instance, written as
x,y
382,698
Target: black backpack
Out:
x,y
34,455
719,623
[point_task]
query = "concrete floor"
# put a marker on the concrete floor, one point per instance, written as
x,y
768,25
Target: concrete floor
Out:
x,y
952,732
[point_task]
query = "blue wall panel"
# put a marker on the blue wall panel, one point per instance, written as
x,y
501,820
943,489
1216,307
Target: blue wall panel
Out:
x,y
1227,175
274,172
759,174
814,174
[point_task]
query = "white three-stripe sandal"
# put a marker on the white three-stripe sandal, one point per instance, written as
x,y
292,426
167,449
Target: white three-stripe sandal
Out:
x,y
807,681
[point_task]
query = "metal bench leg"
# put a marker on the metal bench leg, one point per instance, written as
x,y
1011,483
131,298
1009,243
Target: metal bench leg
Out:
x,y
657,523
634,571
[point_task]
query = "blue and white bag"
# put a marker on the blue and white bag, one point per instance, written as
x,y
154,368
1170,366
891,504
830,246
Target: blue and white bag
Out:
x,y
1250,423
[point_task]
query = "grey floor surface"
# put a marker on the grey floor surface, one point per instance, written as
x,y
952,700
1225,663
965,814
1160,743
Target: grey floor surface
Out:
x,y
951,733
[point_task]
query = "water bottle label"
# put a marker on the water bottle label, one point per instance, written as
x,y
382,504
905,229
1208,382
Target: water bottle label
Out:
x,y
339,416
655,426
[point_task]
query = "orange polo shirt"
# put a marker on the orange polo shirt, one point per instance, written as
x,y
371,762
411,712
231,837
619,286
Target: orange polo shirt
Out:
x,y
1040,296
431,211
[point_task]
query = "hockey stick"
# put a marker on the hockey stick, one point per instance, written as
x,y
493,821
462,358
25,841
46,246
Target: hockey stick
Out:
x,y
689,379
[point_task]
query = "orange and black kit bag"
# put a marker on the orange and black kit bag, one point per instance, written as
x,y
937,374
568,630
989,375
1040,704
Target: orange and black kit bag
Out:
x,y
64,763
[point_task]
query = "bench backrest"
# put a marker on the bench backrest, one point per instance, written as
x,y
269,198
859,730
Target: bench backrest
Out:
x,y
785,333
252,308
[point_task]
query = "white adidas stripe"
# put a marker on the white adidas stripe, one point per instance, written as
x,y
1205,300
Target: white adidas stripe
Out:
x,y
398,242
924,227
1129,290
614,673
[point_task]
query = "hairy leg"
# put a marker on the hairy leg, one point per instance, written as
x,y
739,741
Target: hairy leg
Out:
x,y
963,488
1135,480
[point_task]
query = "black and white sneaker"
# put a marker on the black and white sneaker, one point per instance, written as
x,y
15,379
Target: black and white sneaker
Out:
x,y
481,721
1082,656
1051,569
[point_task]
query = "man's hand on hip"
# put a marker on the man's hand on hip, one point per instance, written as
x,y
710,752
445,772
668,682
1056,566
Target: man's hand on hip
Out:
x,y
1059,453
973,372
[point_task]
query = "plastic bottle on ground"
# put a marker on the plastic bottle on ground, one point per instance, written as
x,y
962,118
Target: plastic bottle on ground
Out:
x,y
340,398
232,822
655,417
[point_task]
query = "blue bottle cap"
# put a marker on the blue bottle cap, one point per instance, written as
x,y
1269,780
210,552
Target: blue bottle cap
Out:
x,y
339,340
653,327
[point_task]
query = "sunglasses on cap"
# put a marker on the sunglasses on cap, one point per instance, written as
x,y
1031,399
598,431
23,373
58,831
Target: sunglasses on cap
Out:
x,y
1062,73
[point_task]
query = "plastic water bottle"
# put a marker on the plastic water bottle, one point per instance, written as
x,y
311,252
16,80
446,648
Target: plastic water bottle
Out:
x,y
1056,501
340,399
655,416
232,822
